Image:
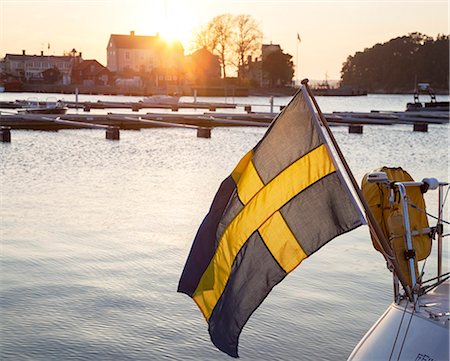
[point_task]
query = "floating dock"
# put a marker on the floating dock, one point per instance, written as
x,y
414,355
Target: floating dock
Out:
x,y
135,106
207,119
203,122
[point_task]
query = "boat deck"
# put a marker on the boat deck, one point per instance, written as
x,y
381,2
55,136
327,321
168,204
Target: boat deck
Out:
x,y
435,304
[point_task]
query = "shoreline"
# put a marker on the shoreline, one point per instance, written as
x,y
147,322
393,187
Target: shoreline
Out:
x,y
236,91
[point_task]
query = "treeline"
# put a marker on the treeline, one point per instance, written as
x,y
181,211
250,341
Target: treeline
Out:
x,y
398,64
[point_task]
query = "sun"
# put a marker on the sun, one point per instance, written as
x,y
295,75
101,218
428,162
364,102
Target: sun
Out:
x,y
176,24
170,32
172,20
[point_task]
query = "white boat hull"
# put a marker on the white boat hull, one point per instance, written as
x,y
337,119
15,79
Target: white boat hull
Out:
x,y
401,334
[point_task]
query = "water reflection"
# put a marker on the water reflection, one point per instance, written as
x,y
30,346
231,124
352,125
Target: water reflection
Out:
x,y
95,234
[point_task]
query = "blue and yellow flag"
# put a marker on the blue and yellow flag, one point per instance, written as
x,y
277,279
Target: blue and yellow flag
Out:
x,y
283,201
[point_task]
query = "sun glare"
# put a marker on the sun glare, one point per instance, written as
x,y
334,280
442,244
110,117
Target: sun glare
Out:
x,y
174,23
170,32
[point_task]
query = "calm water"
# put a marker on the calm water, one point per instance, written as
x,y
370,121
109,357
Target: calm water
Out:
x,y
95,234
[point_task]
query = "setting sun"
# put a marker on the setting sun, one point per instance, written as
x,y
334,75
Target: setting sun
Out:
x,y
172,23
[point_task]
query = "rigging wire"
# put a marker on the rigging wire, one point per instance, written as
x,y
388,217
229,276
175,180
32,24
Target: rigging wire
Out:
x,y
429,288
445,197
407,329
428,214
425,289
423,211
399,327
435,278
403,316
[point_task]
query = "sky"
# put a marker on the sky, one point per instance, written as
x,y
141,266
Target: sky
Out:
x,y
330,30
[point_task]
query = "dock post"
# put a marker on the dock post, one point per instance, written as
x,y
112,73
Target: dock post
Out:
x,y
203,132
420,127
5,134
248,108
355,129
112,133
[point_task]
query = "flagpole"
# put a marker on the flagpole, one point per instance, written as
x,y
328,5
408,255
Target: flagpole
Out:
x,y
298,67
296,73
373,224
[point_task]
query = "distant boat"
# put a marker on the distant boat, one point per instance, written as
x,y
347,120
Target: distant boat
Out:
x,y
161,99
324,89
49,107
432,105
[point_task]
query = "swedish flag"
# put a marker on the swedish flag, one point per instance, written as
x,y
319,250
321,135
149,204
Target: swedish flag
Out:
x,y
284,200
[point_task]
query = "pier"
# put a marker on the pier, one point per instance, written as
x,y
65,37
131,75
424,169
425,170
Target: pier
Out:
x,y
135,106
201,122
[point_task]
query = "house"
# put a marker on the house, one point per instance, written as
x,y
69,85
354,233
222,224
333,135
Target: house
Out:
x,y
252,69
251,72
90,72
267,49
202,67
158,61
31,68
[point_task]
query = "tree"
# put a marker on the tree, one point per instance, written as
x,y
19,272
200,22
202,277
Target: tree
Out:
x,y
247,39
205,38
232,38
216,37
399,63
278,68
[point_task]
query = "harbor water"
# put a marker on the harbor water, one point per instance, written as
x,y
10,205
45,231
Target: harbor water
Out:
x,y
95,234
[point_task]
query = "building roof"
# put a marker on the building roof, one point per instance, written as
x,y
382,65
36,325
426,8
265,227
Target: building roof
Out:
x,y
138,41
88,62
85,65
203,53
133,41
35,57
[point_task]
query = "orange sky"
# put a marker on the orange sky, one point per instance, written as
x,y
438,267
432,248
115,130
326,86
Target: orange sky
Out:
x,y
330,30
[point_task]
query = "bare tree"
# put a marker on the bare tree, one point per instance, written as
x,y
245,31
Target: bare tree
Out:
x,y
205,38
222,32
232,38
247,39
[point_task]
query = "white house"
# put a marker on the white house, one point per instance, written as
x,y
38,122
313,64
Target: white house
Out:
x,y
31,67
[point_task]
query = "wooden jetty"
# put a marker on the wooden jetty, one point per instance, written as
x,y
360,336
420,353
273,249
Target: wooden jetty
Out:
x,y
135,106
207,119
203,123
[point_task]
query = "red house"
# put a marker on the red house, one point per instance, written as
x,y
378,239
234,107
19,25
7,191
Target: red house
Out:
x,y
90,72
